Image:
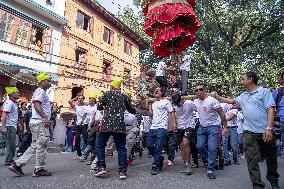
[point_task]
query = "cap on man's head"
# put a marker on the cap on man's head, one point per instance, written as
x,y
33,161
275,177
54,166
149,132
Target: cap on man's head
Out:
x,y
116,83
129,92
41,77
94,96
11,90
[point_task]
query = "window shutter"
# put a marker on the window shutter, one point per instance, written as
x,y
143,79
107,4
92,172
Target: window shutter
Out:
x,y
105,36
47,40
92,26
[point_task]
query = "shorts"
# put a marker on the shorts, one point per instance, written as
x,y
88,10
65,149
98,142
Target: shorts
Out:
x,y
188,133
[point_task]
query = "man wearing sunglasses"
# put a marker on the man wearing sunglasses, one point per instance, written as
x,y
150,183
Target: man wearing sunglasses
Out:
x,y
81,124
209,110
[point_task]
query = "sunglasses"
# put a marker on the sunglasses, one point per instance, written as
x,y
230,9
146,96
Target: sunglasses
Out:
x,y
200,89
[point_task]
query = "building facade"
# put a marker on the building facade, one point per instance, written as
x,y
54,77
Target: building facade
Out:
x,y
97,48
30,38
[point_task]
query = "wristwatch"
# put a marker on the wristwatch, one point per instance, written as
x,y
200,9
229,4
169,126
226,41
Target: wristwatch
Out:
x,y
269,129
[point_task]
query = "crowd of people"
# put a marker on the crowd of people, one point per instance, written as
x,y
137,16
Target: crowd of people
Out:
x,y
207,128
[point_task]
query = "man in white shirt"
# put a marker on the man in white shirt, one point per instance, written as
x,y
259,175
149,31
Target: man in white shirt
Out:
x,y
209,110
39,126
162,111
161,74
9,123
186,128
185,69
81,124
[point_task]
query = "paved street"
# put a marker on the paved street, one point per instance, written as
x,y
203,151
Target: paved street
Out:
x,y
68,173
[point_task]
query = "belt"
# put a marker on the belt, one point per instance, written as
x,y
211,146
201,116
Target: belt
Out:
x,y
233,127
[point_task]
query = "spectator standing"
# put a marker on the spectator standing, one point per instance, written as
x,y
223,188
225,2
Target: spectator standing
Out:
x,y
258,105
185,69
9,122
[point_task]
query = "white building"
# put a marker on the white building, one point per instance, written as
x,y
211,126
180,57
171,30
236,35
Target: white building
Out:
x,y
30,39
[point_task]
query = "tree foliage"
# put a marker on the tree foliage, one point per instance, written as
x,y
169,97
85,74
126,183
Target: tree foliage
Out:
x,y
235,36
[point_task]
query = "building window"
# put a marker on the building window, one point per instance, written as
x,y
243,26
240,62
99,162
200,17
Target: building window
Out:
x,y
106,70
24,34
108,36
36,40
127,47
126,74
81,61
83,21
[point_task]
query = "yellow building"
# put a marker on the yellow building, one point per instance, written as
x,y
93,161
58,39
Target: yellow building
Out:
x,y
97,47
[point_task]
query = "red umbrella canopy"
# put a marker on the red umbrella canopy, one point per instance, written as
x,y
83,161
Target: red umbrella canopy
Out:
x,y
171,24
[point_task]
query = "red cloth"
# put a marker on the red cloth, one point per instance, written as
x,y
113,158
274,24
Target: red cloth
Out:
x,y
171,26
169,14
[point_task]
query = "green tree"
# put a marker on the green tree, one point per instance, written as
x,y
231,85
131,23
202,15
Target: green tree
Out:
x,y
236,36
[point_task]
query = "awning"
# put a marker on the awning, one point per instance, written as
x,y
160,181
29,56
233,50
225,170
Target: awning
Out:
x,y
10,67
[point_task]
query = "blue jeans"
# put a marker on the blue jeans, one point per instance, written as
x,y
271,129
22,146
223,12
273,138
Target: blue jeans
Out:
x,y
155,141
234,144
208,135
120,143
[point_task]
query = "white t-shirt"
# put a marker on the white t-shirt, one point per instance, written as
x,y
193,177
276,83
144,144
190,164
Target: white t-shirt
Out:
x,y
186,61
160,69
130,119
240,123
11,109
185,115
40,96
232,122
91,112
161,110
206,109
80,111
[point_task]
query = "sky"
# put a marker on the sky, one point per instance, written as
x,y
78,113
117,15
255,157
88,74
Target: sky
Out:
x,y
114,6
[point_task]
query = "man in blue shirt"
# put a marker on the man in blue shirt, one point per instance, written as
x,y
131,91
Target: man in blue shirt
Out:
x,y
258,105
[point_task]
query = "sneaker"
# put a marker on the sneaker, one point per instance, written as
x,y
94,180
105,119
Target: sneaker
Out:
x,y
211,175
170,164
19,154
122,175
161,164
194,166
227,163
154,170
243,156
41,173
101,172
81,159
187,170
76,157
16,169
130,162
